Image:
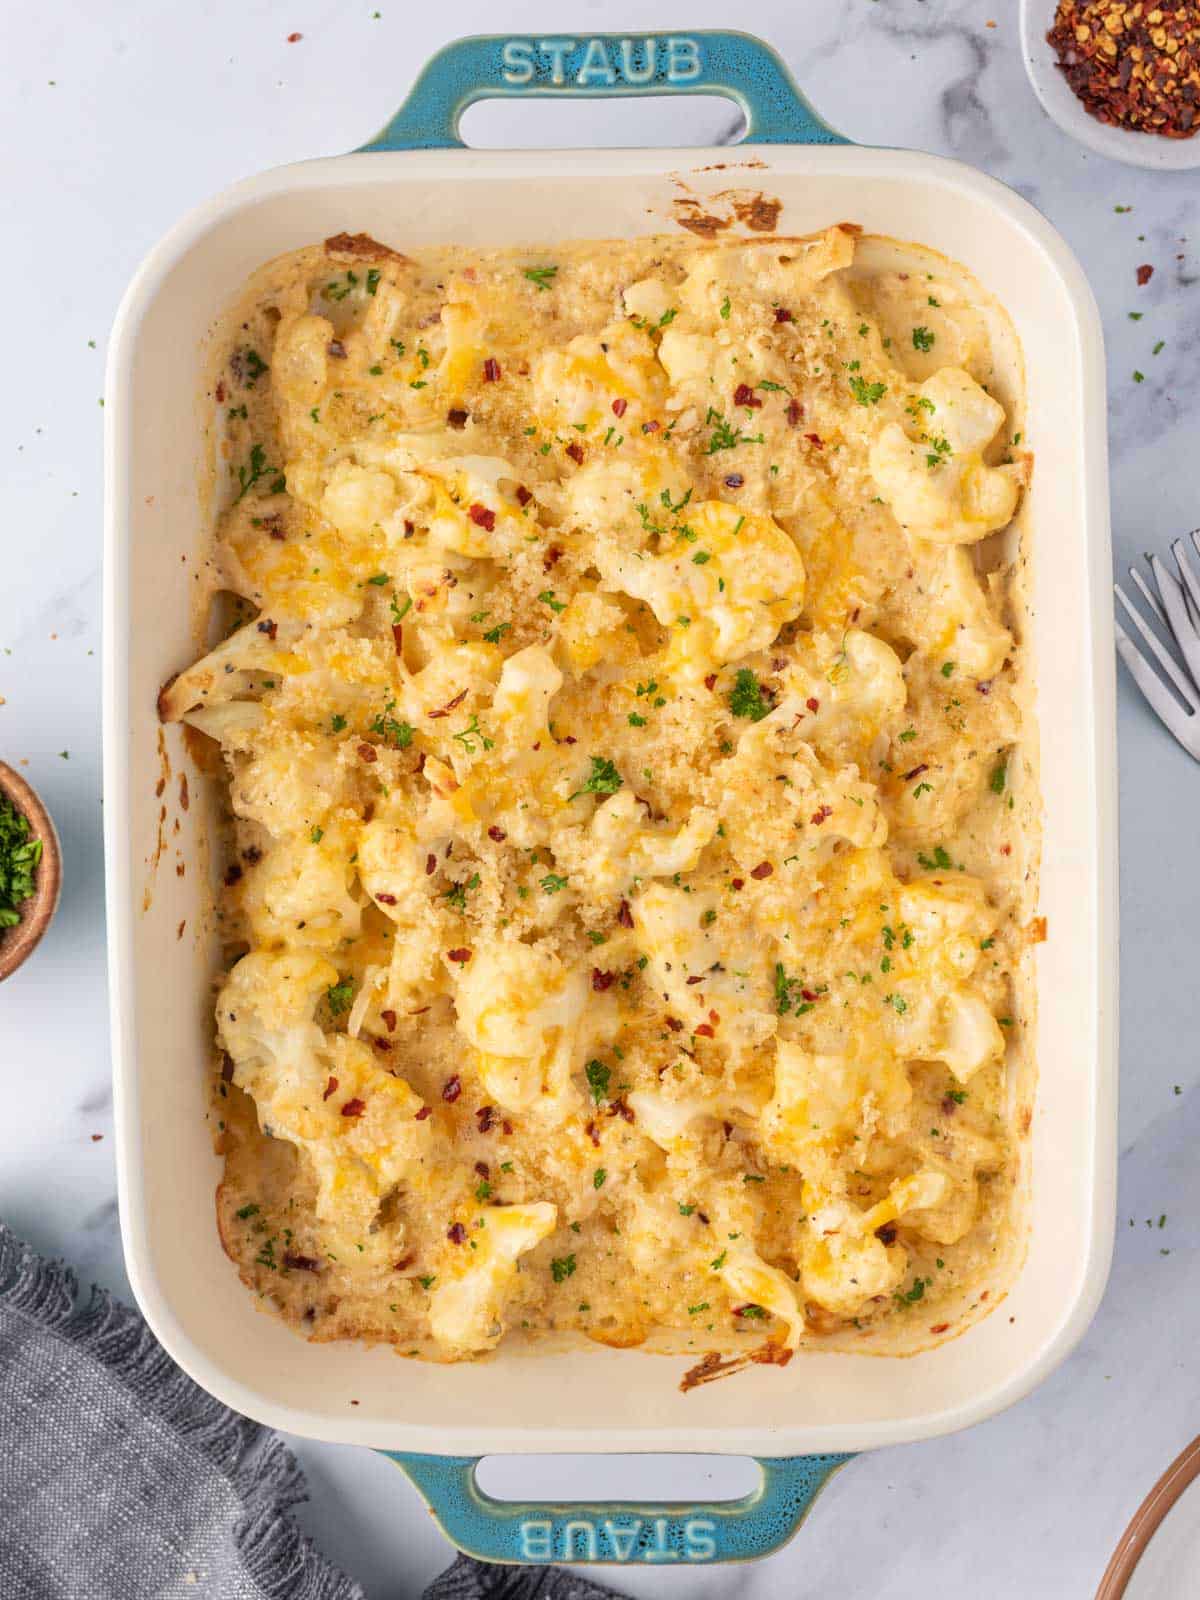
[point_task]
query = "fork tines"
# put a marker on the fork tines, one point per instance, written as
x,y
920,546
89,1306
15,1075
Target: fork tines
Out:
x,y
1176,606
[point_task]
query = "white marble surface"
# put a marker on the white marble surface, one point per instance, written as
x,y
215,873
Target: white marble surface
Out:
x,y
116,118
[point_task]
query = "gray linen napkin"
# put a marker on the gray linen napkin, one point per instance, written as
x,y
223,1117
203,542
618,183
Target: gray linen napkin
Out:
x,y
121,1479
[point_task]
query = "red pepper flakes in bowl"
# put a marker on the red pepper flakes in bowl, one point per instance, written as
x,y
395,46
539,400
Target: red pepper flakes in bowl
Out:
x,y
1133,64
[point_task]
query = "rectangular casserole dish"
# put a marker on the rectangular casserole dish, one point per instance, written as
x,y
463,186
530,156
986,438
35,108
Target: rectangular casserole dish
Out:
x,y
161,933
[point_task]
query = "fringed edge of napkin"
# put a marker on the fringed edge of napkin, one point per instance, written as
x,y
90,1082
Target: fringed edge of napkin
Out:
x,y
264,1473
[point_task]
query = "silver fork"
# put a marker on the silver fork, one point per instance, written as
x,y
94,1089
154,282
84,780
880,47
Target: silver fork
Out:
x,y
1177,608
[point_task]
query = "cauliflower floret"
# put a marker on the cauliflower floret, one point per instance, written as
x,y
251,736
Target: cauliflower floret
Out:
x,y
959,622
825,1101
779,272
842,1262
358,500
576,387
522,1010
725,584
473,512
839,694
938,485
620,845
466,1309
748,1277
299,893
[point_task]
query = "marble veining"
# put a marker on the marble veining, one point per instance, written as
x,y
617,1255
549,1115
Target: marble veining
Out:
x,y
111,143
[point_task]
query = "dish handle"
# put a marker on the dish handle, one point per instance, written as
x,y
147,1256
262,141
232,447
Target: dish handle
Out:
x,y
609,66
659,1533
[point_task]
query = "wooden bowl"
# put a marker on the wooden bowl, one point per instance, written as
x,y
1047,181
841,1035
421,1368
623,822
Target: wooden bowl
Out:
x,y
17,944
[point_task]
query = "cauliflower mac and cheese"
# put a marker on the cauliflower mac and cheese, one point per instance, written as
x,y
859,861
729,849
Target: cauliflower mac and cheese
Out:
x,y
625,899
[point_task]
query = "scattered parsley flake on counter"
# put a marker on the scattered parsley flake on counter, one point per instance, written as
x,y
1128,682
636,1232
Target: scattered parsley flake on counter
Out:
x,y
1139,377
1136,316
1159,346
542,277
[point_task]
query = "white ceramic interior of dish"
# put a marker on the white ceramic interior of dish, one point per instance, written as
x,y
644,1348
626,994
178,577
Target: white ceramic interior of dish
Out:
x,y
161,941
1060,102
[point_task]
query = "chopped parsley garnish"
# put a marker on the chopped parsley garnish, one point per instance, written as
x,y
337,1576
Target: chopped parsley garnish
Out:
x,y
380,579
746,699
247,1211
922,339
339,291
726,437
563,1267
543,277
604,779
399,612
957,1095
337,722
316,834
998,778
725,309
552,883
719,1262
253,366
939,861
948,668
939,451
695,1310
897,1002
340,995
867,394
468,736
373,276
910,1297
258,468
494,635
427,1279
598,1178
754,1311
598,1076
789,993
635,721
458,895
398,734
20,853
547,599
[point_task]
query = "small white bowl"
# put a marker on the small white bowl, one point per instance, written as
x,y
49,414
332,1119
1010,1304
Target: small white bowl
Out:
x,y
1060,102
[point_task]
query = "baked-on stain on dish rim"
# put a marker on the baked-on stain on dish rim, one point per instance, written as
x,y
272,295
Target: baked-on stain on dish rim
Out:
x,y
18,944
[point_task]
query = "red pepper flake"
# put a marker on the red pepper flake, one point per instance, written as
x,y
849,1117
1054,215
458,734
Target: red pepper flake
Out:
x,y
916,772
813,704
389,1020
404,1263
984,686
451,1089
602,980
619,407
794,413
1132,66
624,915
593,1134
575,451
886,1234
482,1168
294,38
300,1263
398,637
737,883
491,370
939,1327
696,979
456,419
810,995
269,628
381,1044
330,1088
714,1018
949,1106
336,349
674,1024
523,495
386,899
782,316
1006,849
507,1128
409,529
482,516
367,753
620,1109
457,1234
449,706
461,956
705,1030
226,1068
815,440
651,427
354,1108
744,395
486,1118
552,557
734,480
1144,273
820,814
710,681
430,864
232,875
764,869
425,1111
219,394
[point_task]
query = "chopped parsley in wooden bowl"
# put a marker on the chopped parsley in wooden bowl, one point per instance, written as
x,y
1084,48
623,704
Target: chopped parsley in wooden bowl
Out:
x,y
30,870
